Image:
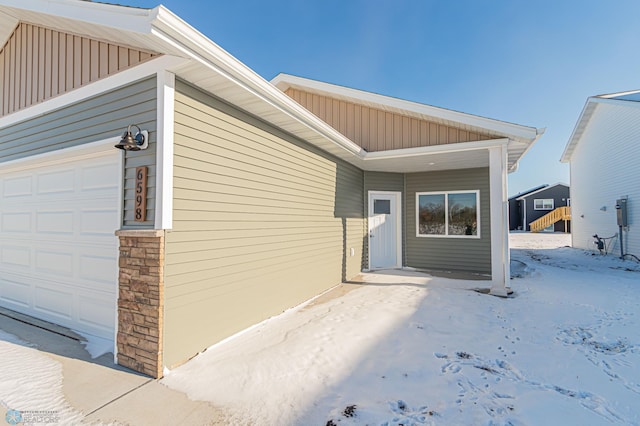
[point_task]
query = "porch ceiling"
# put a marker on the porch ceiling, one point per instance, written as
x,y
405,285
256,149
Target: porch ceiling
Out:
x,y
427,162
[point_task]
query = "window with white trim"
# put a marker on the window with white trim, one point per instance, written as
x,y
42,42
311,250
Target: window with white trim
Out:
x,y
448,214
543,204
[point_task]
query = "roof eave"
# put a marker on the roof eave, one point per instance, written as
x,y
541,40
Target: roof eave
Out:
x,y
578,130
122,18
506,129
176,31
544,188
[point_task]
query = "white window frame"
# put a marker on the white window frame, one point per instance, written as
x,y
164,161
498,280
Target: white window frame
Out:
x,y
543,200
446,209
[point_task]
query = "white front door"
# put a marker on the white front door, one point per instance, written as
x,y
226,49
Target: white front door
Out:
x,y
384,230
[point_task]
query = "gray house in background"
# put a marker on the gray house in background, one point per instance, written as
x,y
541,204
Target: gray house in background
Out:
x,y
531,205
515,209
246,197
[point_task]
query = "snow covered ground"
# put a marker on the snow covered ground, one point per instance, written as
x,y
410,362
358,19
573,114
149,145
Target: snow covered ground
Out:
x,y
411,349
29,378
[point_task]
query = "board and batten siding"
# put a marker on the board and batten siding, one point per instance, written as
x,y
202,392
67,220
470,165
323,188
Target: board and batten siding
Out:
x,y
261,222
604,168
441,253
94,119
378,130
39,63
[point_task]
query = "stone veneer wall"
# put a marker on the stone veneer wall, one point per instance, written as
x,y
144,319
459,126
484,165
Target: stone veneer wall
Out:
x,y
141,300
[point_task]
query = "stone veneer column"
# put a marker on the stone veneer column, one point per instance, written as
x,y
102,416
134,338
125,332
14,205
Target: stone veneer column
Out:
x,y
141,300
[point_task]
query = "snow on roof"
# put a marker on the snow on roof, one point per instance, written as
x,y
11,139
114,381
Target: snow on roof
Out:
x,y
544,188
528,191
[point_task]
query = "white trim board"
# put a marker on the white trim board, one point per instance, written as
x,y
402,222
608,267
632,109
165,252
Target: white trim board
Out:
x,y
164,150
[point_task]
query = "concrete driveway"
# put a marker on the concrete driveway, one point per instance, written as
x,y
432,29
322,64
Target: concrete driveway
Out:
x,y
97,390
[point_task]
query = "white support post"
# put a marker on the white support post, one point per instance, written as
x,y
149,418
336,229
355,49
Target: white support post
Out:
x,y
500,257
164,154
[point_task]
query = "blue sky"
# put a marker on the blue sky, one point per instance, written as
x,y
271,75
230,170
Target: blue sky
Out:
x,y
528,62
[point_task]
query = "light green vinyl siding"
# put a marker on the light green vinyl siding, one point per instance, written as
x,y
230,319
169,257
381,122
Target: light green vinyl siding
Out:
x,y
261,223
451,254
93,119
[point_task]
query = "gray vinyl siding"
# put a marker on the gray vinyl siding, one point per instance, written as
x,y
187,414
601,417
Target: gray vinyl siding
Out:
x,y
381,181
261,222
93,119
449,254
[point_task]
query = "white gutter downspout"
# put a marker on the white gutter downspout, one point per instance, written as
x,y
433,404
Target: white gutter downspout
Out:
x,y
499,204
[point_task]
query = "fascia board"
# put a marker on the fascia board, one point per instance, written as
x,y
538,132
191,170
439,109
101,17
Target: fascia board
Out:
x,y
619,102
618,94
284,81
578,129
530,143
174,31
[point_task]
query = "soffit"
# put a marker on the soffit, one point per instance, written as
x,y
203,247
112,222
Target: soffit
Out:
x,y
430,162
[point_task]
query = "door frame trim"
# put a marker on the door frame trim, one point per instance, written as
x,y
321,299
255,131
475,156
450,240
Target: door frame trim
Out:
x,y
399,222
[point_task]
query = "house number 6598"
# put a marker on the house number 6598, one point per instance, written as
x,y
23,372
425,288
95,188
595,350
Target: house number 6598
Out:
x,y
140,209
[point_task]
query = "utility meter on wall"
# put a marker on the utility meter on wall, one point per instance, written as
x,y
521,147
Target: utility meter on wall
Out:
x,y
621,212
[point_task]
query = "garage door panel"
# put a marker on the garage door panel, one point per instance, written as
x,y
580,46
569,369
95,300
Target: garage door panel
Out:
x,y
55,301
15,293
98,221
57,182
97,313
98,269
19,222
54,222
15,257
58,249
58,262
17,187
92,178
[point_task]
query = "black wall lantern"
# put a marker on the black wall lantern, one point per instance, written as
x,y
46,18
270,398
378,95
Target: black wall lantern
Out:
x,y
130,142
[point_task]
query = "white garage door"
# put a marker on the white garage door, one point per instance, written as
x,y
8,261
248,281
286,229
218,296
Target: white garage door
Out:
x,y
58,251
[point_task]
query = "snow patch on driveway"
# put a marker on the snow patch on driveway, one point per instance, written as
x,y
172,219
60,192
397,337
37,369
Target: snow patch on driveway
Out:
x,y
31,382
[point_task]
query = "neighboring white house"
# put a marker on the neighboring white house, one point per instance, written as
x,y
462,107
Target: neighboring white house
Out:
x,y
604,156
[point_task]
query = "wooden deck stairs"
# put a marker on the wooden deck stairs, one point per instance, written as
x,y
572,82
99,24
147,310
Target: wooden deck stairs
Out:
x,y
561,213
